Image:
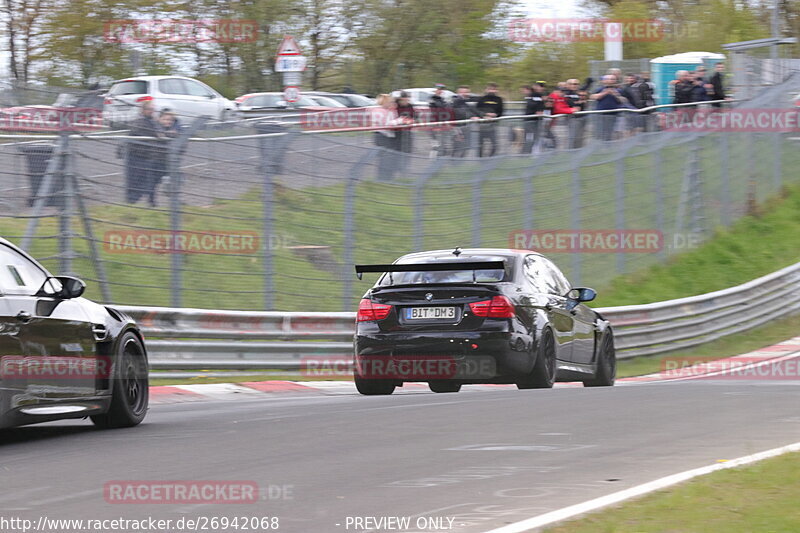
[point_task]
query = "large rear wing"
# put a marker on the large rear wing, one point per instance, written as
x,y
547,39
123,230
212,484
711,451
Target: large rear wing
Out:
x,y
431,267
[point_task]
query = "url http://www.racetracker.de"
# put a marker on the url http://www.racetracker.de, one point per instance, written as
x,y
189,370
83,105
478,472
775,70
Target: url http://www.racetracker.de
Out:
x,y
46,524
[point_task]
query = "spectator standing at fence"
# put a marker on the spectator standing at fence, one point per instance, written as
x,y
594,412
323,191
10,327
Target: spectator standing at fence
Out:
x,y
405,115
385,116
462,110
631,93
716,86
683,87
646,90
608,98
560,106
168,128
440,111
534,105
700,83
576,125
141,156
490,105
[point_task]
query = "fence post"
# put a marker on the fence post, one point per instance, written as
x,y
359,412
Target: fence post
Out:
x,y
419,202
575,220
349,227
477,197
270,164
619,194
529,190
725,181
66,251
175,148
658,190
777,142
94,254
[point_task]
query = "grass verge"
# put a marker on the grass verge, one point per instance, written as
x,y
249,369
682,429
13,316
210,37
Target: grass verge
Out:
x,y
758,497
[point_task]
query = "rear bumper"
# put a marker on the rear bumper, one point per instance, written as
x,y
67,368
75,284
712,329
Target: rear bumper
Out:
x,y
468,357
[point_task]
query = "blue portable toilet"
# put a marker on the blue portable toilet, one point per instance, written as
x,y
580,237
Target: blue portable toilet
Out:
x,y
663,69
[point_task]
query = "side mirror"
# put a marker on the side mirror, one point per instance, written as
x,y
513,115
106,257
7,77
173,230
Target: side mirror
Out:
x,y
582,294
62,287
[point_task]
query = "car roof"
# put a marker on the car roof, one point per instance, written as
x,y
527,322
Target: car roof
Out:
x,y
507,252
152,78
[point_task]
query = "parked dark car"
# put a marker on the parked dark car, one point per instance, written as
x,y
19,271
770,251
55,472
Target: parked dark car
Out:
x,y
478,316
62,356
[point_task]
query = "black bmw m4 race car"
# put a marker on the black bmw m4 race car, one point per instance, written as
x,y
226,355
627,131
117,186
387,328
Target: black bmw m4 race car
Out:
x,y
453,317
62,356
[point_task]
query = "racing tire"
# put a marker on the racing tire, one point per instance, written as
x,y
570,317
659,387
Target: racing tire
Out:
x,y
444,386
543,375
606,364
374,387
129,386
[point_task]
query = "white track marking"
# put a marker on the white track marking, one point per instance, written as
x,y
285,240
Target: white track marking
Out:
x,y
639,490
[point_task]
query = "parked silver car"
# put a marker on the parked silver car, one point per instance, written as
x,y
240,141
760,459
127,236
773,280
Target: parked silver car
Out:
x,y
186,96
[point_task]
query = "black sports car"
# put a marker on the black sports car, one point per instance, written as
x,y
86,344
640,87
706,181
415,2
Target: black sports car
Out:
x,y
478,316
62,356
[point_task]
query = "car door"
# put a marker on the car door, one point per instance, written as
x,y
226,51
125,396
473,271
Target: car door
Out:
x,y
55,335
12,380
205,101
583,322
541,273
174,95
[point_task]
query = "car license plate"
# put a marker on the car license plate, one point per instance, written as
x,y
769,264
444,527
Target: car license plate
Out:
x,y
428,313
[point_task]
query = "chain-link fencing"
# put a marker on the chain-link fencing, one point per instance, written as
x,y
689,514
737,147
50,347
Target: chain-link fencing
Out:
x,y
269,215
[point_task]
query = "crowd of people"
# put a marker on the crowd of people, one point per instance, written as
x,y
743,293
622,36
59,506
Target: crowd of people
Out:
x,y
549,119
538,133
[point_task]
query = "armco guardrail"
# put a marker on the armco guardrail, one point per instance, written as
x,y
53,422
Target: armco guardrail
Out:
x,y
191,339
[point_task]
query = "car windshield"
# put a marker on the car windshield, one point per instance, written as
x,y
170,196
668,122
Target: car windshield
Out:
x,y
446,276
129,87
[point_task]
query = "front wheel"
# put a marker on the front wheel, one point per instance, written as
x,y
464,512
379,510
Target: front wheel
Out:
x,y
606,372
374,387
129,386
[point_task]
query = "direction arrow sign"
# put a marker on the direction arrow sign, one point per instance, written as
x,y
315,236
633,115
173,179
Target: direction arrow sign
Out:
x,y
288,47
290,64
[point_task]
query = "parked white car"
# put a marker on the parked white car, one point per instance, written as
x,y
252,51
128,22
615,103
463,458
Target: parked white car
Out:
x,y
187,97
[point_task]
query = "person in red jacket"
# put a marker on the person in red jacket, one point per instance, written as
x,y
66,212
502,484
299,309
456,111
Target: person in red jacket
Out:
x,y
558,106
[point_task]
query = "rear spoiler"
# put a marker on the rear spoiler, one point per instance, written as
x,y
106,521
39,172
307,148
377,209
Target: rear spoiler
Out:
x,y
431,267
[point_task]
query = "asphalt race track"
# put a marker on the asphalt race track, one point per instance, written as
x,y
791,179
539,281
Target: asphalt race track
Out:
x,y
483,458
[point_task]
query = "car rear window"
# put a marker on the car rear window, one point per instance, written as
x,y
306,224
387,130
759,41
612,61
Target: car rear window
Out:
x,y
446,276
129,87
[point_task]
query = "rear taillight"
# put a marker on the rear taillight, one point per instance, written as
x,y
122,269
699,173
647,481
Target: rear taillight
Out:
x,y
369,310
240,99
144,99
108,101
497,307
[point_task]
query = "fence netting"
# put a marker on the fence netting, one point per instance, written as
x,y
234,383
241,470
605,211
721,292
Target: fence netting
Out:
x,y
262,214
